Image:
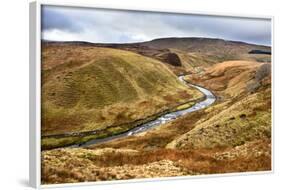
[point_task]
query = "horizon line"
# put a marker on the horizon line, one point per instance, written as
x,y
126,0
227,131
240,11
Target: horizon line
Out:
x,y
212,38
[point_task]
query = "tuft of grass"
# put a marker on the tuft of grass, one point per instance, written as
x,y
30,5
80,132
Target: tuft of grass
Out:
x,y
50,143
185,106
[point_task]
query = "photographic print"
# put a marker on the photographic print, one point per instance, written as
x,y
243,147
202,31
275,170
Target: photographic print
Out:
x,y
131,95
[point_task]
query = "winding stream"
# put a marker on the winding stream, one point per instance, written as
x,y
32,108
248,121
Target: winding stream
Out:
x,y
210,99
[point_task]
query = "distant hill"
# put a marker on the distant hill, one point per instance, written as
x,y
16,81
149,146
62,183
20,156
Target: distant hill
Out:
x,y
204,45
191,54
198,53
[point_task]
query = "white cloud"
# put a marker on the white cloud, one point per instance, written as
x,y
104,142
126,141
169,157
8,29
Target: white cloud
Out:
x,y
60,35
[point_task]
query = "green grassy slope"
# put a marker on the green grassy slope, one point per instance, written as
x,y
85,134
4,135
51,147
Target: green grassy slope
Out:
x,y
84,88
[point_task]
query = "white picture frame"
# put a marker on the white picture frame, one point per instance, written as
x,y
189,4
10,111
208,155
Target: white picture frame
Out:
x,y
35,91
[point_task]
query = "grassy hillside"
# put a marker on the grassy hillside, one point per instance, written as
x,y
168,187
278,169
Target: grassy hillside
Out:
x,y
195,54
243,112
90,88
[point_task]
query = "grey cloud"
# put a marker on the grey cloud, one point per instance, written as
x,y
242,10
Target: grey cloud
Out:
x,y
99,25
52,19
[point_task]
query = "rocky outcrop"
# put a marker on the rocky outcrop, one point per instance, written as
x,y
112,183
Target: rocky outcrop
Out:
x,y
256,51
171,58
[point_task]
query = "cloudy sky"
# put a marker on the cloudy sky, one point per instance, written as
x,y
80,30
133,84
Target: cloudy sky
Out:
x,y
114,26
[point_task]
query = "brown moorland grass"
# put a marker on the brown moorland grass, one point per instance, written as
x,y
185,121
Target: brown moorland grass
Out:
x,y
240,114
74,165
89,88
